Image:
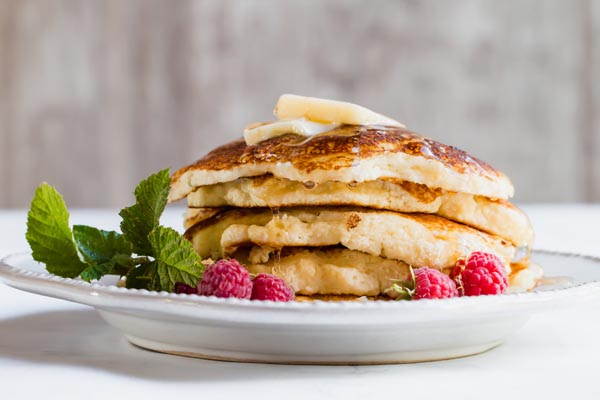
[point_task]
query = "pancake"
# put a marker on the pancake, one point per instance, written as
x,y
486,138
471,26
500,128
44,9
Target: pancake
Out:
x,y
196,215
348,154
525,278
498,217
336,273
415,239
330,271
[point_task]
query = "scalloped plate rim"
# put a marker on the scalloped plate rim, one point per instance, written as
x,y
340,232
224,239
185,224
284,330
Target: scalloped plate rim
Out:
x,y
18,277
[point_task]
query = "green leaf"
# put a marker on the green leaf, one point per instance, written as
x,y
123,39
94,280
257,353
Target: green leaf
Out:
x,y
106,252
176,260
141,277
141,218
120,264
49,235
99,246
97,271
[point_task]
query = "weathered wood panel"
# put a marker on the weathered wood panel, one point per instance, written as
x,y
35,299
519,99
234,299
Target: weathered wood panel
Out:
x,y
591,124
97,94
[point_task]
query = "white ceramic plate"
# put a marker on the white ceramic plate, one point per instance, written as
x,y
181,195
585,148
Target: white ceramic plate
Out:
x,y
373,332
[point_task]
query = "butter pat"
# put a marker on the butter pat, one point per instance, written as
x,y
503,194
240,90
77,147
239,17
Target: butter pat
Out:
x,y
326,111
309,116
258,132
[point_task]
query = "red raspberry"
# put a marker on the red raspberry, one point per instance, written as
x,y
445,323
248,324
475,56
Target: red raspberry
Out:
x,y
271,287
181,287
480,274
433,284
425,283
226,278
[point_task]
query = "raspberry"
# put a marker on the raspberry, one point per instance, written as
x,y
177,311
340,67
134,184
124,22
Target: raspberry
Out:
x,y
480,274
425,283
271,287
181,287
433,284
226,278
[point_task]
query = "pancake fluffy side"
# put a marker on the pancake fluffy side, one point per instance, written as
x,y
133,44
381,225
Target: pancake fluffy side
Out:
x,y
347,154
498,217
329,270
415,239
336,273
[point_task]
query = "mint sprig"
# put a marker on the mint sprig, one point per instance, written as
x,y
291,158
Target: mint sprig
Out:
x,y
151,256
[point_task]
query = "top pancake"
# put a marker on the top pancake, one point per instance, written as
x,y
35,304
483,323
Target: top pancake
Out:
x,y
347,154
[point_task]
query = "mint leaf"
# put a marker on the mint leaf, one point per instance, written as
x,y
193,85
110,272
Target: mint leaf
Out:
x,y
141,218
119,264
97,271
99,246
49,234
106,252
141,277
176,260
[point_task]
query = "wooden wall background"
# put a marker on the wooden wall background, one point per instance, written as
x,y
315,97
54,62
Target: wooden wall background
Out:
x,y
95,95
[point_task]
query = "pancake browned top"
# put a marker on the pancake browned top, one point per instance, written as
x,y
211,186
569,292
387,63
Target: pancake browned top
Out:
x,y
349,153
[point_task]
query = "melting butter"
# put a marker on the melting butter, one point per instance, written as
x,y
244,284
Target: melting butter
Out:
x,y
290,106
256,133
310,116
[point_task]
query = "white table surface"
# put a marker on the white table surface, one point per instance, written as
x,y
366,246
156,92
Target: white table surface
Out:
x,y
55,349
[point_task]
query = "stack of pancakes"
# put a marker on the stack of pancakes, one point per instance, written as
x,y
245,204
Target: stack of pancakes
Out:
x,y
346,212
